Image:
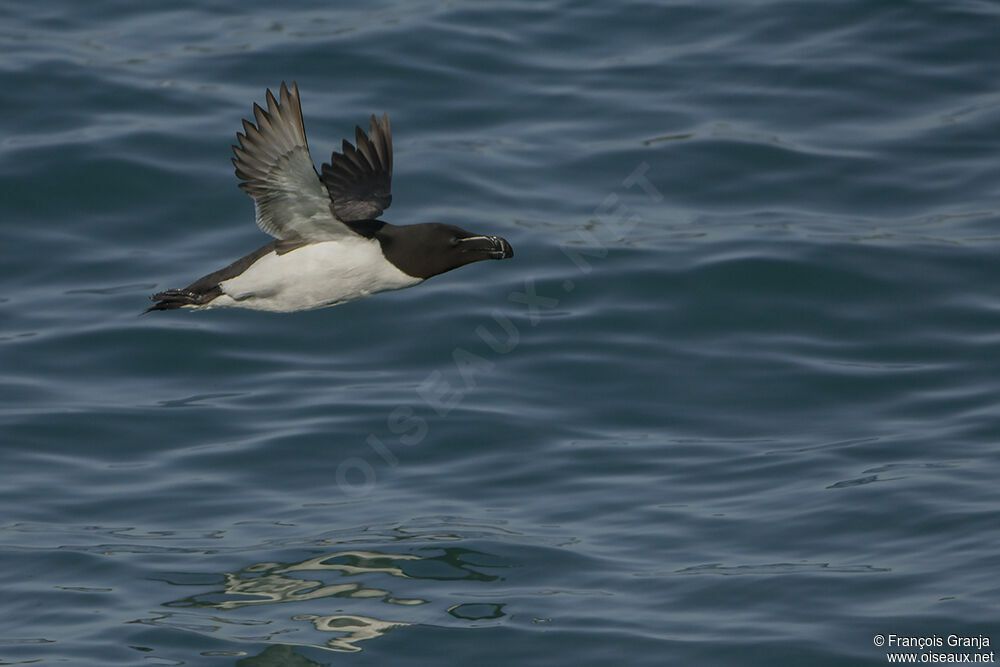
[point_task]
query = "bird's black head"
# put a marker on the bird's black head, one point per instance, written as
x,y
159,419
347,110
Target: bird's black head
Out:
x,y
431,248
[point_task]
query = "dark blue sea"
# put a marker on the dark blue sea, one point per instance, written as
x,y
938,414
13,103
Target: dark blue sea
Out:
x,y
735,400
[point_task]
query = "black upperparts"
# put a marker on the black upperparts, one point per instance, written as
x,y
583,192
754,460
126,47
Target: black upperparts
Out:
x,y
359,179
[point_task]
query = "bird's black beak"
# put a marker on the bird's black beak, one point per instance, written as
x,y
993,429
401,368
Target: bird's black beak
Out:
x,y
491,247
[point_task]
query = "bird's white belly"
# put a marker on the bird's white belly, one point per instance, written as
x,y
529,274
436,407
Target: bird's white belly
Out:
x,y
314,276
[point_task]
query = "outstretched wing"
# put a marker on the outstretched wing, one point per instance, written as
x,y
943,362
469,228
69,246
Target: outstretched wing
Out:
x,y
275,168
359,179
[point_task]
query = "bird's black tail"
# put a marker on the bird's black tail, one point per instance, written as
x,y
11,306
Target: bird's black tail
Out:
x,y
178,298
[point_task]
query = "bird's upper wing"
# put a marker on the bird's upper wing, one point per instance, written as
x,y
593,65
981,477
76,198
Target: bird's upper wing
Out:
x,y
274,167
359,179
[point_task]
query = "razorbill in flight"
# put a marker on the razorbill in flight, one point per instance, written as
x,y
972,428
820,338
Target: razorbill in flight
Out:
x,y
329,246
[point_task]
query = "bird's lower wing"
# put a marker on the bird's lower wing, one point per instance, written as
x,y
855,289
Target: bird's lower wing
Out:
x,y
276,170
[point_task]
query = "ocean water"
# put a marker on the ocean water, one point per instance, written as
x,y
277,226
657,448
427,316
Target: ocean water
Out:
x,y
735,401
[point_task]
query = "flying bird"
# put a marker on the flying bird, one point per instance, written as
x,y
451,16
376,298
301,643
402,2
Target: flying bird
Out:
x,y
329,246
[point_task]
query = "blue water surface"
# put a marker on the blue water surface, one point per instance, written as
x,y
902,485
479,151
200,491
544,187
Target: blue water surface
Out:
x,y
735,401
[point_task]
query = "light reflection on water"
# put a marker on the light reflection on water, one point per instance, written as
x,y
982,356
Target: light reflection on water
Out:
x,y
347,581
